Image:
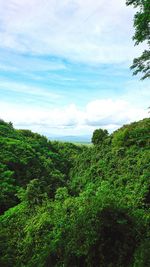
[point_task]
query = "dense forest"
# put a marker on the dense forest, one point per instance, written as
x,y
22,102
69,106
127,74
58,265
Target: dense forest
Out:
x,y
75,206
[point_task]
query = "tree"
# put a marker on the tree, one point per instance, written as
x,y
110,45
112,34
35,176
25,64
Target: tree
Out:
x,y
98,136
142,34
34,194
7,188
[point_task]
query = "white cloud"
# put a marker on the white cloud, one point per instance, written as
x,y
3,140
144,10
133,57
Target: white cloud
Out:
x,y
116,112
102,113
87,31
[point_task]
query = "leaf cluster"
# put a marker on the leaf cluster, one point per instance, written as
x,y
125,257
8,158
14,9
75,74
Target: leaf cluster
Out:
x,y
142,34
76,206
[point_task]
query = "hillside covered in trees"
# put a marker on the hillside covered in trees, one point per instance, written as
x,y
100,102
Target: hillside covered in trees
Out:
x,y
75,206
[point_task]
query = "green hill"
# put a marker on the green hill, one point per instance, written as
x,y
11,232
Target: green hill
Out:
x,y
67,205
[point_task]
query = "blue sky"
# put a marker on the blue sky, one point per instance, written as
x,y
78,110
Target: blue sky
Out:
x,y
64,66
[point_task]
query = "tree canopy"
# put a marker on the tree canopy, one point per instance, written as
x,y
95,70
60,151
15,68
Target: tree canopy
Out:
x,y
99,136
142,34
75,206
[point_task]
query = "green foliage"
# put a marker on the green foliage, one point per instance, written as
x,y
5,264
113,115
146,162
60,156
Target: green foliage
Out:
x,y
34,194
142,34
7,188
99,136
26,156
84,206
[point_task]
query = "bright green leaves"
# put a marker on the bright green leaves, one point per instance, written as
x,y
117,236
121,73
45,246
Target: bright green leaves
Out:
x,y
80,206
142,34
99,136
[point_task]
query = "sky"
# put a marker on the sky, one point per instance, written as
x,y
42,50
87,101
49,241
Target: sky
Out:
x,y
65,66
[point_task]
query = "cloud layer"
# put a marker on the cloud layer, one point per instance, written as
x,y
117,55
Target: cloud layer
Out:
x,y
85,31
102,113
